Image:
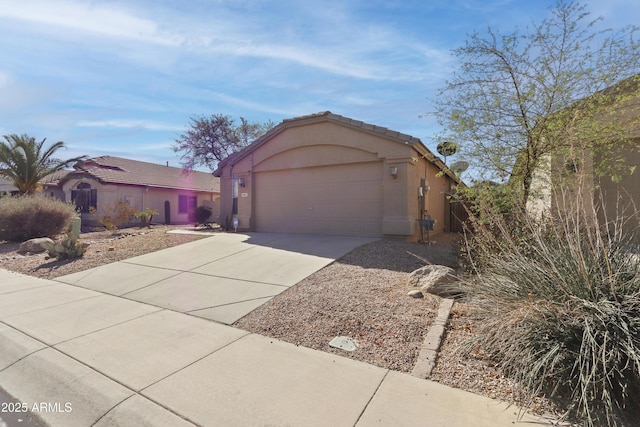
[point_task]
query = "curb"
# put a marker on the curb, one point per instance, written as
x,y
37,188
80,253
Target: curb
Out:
x,y
431,344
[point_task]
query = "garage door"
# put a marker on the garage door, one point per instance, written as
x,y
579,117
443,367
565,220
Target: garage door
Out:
x,y
340,200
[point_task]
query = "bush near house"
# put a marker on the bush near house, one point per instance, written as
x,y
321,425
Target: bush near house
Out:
x,y
558,306
26,217
200,215
146,216
112,217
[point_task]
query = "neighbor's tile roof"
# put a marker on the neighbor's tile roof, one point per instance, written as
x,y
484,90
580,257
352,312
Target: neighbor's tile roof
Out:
x,y
117,170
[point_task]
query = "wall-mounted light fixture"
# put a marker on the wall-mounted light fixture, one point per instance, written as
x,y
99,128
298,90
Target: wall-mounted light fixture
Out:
x,y
393,171
241,182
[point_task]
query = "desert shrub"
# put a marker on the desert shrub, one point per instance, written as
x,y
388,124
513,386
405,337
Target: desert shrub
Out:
x,y
68,248
200,215
146,216
26,217
560,312
494,210
114,216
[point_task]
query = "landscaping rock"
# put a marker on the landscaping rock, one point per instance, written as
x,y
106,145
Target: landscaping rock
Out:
x,y
435,279
416,294
344,343
35,245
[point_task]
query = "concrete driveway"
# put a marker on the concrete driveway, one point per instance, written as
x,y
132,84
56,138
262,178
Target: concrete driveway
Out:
x,y
220,278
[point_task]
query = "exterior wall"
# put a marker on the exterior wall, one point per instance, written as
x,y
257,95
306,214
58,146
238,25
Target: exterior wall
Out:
x,y
140,198
436,202
621,198
6,186
331,148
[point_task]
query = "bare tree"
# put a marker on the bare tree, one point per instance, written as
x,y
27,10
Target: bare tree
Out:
x,y
211,139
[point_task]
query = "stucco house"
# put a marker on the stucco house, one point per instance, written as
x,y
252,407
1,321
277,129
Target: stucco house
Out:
x,y
106,180
329,174
597,176
6,187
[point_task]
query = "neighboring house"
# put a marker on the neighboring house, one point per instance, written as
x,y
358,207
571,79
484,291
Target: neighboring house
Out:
x,y
6,187
597,176
328,174
101,182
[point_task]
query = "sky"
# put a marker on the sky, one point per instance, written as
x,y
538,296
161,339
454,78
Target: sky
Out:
x,y
123,78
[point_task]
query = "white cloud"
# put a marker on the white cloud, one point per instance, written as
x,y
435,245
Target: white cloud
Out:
x,y
130,124
87,18
337,42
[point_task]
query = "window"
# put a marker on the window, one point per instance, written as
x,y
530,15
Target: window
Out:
x,y
186,203
84,197
235,194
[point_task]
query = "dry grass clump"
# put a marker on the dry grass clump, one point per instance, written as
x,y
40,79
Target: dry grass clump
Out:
x,y
558,306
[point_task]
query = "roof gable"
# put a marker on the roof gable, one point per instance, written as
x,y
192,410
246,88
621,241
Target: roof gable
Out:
x,y
328,116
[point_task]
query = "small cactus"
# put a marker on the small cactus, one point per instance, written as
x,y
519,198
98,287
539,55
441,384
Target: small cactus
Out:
x,y
66,249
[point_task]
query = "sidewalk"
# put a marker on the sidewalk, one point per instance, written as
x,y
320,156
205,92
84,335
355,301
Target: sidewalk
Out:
x,y
84,357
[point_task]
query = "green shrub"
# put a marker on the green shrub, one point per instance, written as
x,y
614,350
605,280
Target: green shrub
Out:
x,y
26,217
200,215
68,248
560,312
146,216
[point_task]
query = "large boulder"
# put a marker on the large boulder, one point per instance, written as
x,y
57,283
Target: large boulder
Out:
x,y
435,279
34,245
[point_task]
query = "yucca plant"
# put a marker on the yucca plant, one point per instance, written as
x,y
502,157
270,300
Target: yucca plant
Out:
x,y
560,311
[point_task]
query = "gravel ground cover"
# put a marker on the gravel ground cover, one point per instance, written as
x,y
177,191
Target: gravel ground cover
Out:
x,y
104,247
363,296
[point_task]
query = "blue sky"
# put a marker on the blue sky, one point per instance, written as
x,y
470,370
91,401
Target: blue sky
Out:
x,y
122,78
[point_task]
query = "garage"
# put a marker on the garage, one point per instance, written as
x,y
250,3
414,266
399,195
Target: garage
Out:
x,y
332,175
336,199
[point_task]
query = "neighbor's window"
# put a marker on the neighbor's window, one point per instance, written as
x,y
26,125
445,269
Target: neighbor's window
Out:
x,y
186,203
84,197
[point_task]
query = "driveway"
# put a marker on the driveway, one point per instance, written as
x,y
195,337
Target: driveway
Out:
x,y
221,278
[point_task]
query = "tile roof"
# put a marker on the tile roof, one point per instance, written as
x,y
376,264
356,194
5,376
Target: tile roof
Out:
x,y
118,170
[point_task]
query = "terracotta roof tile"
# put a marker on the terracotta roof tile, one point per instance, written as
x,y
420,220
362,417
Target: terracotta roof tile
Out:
x,y
118,170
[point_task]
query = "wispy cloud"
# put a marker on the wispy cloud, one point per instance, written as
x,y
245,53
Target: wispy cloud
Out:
x,y
130,124
109,21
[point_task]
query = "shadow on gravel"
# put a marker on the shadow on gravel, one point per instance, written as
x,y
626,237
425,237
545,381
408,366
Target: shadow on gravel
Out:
x,y
397,255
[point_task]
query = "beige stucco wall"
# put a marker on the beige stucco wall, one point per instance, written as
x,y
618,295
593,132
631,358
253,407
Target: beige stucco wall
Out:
x,y
141,198
316,146
621,198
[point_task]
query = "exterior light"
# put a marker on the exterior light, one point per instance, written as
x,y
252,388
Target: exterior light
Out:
x,y
241,182
393,171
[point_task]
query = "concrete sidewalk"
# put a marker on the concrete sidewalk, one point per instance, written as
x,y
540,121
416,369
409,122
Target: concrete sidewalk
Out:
x,y
87,357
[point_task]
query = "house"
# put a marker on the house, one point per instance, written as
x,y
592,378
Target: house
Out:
x,y
328,174
596,175
101,182
7,187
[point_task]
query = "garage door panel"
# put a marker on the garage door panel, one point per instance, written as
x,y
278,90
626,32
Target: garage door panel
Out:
x,y
344,199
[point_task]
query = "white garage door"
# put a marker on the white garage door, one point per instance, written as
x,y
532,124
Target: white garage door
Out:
x,y
340,200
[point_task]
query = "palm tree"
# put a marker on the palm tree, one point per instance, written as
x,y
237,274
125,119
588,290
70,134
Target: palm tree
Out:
x,y
25,162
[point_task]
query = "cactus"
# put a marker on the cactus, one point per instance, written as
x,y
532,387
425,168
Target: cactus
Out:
x,y
66,249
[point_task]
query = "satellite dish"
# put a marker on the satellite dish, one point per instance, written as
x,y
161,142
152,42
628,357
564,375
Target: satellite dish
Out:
x,y
447,148
459,167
